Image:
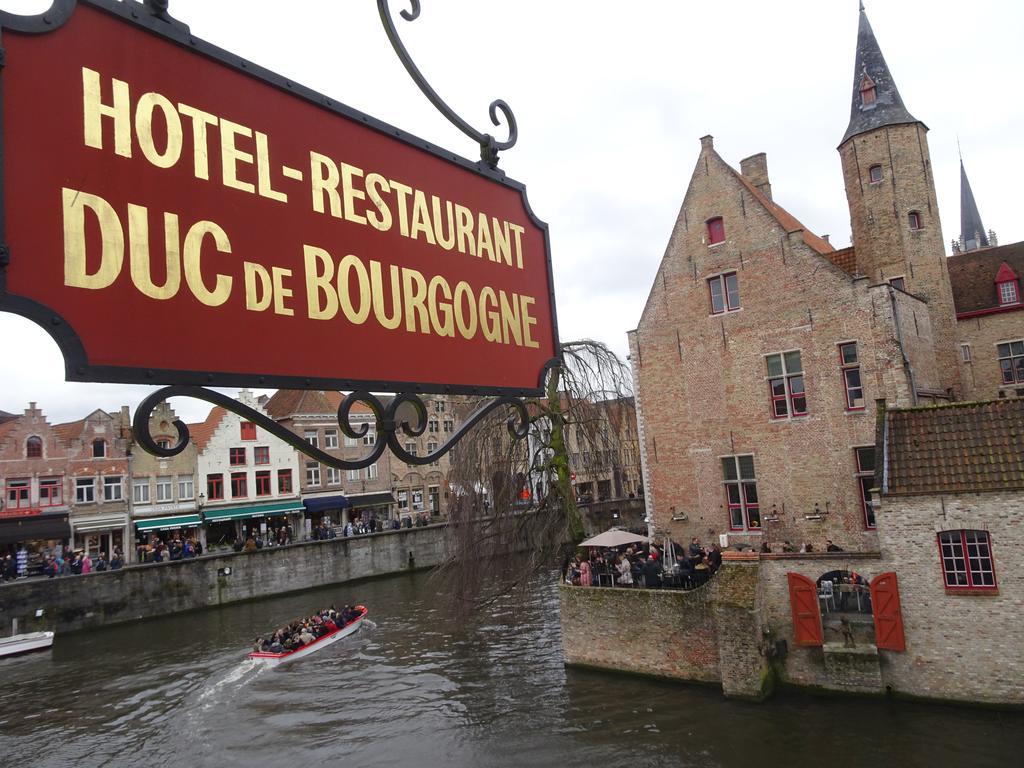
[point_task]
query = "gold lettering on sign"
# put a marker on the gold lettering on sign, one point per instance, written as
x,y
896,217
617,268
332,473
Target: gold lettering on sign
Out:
x,y
76,274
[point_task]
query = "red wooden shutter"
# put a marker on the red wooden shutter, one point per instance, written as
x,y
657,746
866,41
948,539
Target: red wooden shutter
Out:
x,y
803,598
885,605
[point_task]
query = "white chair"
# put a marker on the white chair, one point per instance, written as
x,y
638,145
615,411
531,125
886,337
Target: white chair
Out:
x,y
825,595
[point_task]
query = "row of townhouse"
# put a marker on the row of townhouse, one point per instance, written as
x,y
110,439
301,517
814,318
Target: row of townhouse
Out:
x,y
87,485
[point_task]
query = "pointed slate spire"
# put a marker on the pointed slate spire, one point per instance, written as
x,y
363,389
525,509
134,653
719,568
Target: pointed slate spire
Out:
x,y
876,100
972,231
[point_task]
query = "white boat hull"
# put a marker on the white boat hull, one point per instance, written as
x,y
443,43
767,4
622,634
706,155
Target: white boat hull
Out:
x,y
31,641
320,643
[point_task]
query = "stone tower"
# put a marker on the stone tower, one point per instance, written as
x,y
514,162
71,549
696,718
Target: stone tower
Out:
x,y
897,236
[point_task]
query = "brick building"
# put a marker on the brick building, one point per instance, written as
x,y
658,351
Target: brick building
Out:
x,y
335,494
951,526
36,492
165,494
98,470
761,345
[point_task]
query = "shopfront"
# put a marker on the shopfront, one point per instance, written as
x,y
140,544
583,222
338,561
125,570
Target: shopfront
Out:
x,y
166,529
39,532
98,534
367,506
330,509
231,526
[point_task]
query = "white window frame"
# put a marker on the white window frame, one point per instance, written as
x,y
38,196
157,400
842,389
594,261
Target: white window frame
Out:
x,y
186,488
140,491
113,488
330,438
164,489
312,473
371,472
333,476
85,490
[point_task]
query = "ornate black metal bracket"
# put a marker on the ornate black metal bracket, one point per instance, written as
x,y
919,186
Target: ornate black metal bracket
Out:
x,y
387,424
489,146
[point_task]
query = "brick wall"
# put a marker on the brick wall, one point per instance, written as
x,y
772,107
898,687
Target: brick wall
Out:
x,y
981,377
959,646
703,391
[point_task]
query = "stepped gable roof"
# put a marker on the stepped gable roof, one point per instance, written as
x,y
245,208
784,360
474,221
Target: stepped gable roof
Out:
x,y
971,227
870,69
973,275
788,221
203,431
956,448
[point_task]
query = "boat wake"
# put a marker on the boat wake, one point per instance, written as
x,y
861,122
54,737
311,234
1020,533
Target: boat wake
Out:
x,y
238,676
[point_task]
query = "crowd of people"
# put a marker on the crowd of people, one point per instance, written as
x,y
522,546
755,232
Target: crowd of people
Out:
x,y
60,561
156,550
645,566
302,632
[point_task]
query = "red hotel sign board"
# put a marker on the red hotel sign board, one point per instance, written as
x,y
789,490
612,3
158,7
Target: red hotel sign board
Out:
x,y
175,215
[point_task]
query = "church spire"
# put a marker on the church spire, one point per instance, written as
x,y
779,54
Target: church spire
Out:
x,y
876,100
972,231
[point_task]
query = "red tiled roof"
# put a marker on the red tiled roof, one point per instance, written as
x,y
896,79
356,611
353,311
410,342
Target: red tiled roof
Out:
x,y
788,221
845,259
287,402
956,448
69,430
203,431
972,275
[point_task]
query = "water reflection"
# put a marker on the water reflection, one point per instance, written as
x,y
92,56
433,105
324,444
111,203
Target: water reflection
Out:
x,y
417,686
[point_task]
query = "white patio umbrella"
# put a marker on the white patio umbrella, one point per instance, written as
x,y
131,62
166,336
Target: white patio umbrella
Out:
x,y
613,538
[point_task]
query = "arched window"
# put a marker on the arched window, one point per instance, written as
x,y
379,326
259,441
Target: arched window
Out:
x,y
716,231
914,219
99,449
875,174
34,448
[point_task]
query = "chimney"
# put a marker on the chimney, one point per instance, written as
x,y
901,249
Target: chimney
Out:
x,y
826,238
707,142
755,169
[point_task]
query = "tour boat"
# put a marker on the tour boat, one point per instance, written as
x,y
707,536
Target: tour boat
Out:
x,y
30,641
321,642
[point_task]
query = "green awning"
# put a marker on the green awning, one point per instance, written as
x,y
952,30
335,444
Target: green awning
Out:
x,y
168,523
256,510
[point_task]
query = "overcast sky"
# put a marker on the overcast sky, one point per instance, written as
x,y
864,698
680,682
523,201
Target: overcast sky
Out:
x,y
611,99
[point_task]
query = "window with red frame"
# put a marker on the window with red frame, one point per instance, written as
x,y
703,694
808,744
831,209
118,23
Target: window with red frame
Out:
x,y
261,454
34,448
786,385
18,493
284,481
263,483
864,459
741,493
1008,293
239,488
966,557
716,231
237,456
214,487
914,220
248,430
850,364
725,293
50,491
1011,361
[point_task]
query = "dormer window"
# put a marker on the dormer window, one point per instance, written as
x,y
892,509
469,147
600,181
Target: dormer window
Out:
x,y
1007,286
914,220
868,93
716,231
875,174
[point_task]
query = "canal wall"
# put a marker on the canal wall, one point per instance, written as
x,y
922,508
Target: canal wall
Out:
x,y
706,635
157,589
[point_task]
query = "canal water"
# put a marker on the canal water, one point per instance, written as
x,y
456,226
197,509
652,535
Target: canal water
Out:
x,y
416,687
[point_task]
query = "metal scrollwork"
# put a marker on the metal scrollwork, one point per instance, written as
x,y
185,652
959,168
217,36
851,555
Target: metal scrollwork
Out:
x,y
489,146
386,422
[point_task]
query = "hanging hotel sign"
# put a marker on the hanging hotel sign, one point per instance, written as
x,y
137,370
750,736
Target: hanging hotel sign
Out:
x,y
173,214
